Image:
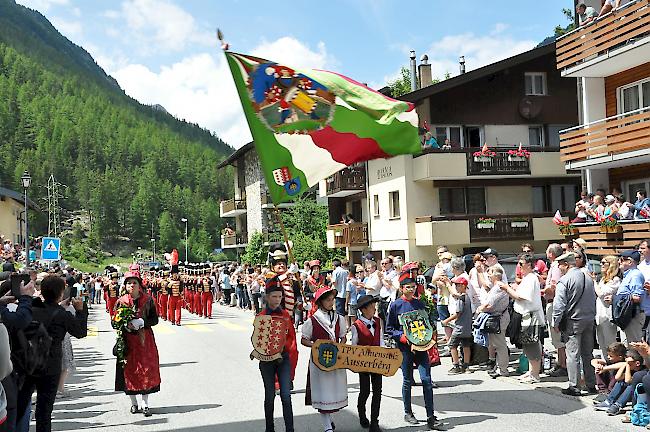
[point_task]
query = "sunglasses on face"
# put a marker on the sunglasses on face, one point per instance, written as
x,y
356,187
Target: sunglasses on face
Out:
x,y
604,262
526,251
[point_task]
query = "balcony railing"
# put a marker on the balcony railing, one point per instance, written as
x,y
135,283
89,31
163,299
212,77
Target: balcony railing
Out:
x,y
350,235
627,235
511,227
614,135
232,205
348,181
609,32
232,240
500,164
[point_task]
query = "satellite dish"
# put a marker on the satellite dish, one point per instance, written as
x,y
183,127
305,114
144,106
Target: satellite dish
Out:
x,y
529,107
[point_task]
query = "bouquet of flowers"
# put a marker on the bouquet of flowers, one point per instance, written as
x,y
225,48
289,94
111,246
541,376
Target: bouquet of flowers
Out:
x,y
484,152
120,321
519,153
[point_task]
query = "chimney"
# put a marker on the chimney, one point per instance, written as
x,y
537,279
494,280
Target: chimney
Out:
x,y
425,71
414,74
461,60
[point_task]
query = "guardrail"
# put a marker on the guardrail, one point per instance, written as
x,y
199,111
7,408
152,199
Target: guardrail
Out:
x,y
627,235
232,205
348,179
350,235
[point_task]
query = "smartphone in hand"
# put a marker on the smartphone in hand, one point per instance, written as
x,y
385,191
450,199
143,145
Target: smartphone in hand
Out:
x,y
16,279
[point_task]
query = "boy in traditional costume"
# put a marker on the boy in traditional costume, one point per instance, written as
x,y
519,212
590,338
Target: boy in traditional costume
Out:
x,y
410,356
326,391
175,287
274,342
367,331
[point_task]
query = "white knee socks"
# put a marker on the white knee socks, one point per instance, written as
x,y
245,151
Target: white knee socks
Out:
x,y
327,422
141,405
134,400
145,401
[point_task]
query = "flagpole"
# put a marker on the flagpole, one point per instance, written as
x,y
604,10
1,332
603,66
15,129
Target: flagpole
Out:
x,y
284,231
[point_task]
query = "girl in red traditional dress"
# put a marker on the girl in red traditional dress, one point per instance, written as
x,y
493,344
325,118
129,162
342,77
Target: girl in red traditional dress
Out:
x,y
140,375
313,283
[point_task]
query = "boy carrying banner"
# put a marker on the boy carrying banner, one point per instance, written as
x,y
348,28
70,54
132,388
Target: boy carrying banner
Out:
x,y
367,330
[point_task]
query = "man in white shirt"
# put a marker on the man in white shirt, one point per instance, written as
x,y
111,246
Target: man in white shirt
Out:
x,y
389,279
586,14
644,265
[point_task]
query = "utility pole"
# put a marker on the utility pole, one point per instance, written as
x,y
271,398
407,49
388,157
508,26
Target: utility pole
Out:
x,y
53,211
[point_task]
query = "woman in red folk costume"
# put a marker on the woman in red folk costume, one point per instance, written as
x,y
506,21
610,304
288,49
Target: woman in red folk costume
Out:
x,y
140,374
313,283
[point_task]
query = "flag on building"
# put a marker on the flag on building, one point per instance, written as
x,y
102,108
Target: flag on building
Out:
x,y
309,124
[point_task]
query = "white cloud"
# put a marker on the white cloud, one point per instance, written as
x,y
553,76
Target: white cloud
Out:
x,y
73,30
159,25
76,12
200,88
42,5
478,51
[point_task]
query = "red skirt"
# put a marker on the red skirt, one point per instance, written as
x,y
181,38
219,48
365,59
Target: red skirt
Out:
x,y
141,373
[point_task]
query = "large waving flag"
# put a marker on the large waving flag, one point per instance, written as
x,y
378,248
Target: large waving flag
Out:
x,y
309,124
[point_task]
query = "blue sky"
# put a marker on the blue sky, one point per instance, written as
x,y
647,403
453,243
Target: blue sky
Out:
x,y
165,51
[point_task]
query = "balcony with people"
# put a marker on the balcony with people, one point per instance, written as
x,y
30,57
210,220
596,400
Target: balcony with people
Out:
x,y
608,223
613,41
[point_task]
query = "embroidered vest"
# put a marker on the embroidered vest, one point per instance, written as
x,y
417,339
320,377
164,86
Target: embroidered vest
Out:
x,y
175,286
364,336
319,332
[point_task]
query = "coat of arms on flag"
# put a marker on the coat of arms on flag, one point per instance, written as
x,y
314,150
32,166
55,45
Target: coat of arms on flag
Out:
x,y
417,329
269,337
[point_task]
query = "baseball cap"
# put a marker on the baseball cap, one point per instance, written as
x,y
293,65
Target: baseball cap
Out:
x,y
490,251
568,257
459,280
635,255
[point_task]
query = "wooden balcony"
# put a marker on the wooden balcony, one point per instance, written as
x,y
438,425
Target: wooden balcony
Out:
x,y
599,38
348,181
629,234
500,164
606,140
512,227
348,235
234,240
232,207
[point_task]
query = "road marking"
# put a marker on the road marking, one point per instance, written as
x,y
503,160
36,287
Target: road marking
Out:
x,y
92,331
164,329
198,327
232,326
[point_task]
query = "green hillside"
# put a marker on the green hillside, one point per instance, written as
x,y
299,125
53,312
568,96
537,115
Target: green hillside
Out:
x,y
128,164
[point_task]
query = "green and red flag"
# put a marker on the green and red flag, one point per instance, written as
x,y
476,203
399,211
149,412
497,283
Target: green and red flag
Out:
x,y
309,124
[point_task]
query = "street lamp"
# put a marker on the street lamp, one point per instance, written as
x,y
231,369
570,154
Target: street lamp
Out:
x,y
184,220
27,181
153,240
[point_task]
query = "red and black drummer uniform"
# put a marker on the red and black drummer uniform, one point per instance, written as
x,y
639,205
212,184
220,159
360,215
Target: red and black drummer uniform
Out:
x,y
368,332
163,298
206,297
112,294
175,288
198,296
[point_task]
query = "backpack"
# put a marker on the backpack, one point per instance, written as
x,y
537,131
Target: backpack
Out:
x,y
30,348
640,416
623,310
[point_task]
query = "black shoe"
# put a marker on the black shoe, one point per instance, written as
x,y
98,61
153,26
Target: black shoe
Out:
x,y
434,423
147,412
134,409
571,391
333,427
374,427
363,420
592,390
558,372
410,418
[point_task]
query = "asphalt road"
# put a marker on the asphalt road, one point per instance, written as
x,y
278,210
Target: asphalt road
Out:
x,y
209,384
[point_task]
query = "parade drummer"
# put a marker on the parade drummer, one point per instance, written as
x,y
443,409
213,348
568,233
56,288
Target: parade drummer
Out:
x,y
367,331
326,391
140,375
280,368
402,305
112,292
163,294
206,295
175,288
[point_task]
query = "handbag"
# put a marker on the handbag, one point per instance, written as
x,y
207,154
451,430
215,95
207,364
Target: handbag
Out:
x,y
623,310
529,329
493,324
434,356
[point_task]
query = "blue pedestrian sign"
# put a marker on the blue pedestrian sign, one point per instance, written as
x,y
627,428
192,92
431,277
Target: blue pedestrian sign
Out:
x,y
51,249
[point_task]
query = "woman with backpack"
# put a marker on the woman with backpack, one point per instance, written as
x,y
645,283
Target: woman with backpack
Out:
x,y
57,322
140,375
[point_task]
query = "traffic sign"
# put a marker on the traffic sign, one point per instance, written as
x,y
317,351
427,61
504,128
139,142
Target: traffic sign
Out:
x,y
51,249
